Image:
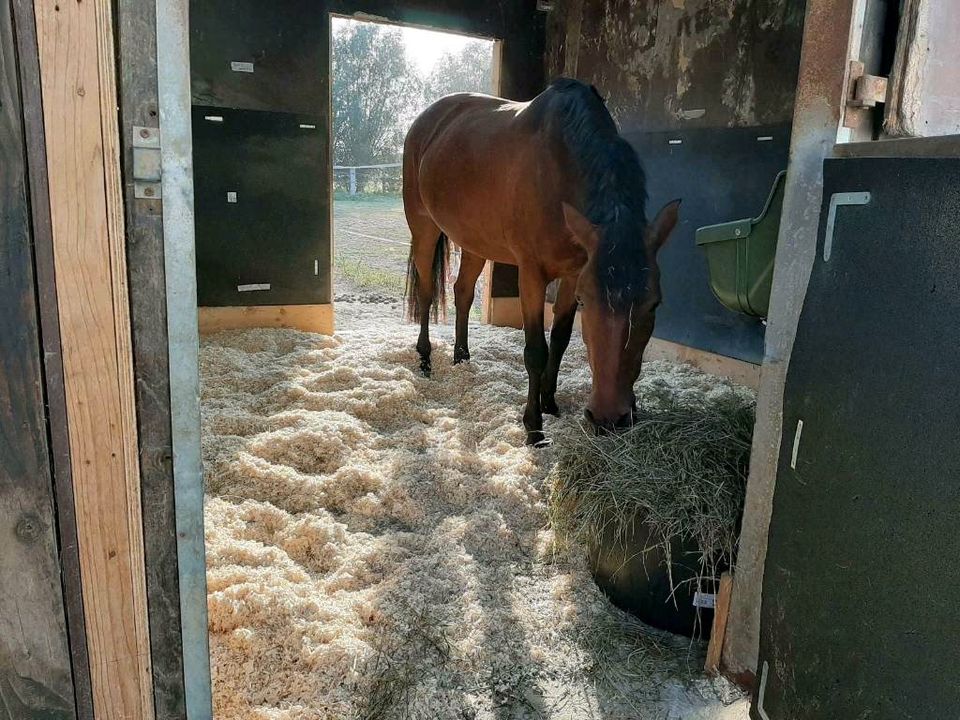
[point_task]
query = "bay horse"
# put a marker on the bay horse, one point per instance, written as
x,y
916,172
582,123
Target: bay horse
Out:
x,y
550,186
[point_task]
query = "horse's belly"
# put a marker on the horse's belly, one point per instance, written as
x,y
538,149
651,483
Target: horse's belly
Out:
x,y
483,236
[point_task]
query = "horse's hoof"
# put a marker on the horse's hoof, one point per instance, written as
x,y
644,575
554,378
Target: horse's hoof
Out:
x,y
550,407
426,369
537,439
460,356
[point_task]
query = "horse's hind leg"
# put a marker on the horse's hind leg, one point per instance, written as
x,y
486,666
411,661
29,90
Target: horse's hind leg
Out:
x,y
425,242
464,290
564,315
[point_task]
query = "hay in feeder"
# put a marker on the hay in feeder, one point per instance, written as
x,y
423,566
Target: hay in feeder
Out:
x,y
682,469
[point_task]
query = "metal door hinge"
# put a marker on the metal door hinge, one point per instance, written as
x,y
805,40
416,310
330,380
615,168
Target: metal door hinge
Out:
x,y
146,163
866,91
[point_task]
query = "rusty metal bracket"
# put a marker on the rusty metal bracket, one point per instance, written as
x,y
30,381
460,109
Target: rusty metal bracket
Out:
x,y
865,90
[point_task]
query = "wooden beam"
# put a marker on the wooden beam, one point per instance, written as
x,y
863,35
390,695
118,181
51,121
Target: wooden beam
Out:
x,y
737,371
720,613
76,43
486,294
29,64
35,661
308,318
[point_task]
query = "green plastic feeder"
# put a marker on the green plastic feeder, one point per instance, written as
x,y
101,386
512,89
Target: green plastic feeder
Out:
x,y
740,256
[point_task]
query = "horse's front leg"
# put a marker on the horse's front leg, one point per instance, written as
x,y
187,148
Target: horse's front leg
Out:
x,y
564,315
533,290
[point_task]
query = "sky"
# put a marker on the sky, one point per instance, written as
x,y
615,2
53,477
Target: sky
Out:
x,y
424,47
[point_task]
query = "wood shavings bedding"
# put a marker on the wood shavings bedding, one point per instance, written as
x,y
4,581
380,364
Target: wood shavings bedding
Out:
x,y
377,542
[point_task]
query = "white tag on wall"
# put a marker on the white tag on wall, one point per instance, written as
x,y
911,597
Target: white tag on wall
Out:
x,y
704,600
253,287
241,66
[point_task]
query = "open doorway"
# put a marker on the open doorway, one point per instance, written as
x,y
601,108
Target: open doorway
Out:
x,y
383,76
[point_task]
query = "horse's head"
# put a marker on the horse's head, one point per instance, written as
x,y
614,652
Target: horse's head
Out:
x,y
618,291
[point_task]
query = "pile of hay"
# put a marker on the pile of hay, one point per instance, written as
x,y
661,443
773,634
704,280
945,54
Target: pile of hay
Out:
x,y
682,468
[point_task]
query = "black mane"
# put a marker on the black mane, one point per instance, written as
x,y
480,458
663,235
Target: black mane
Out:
x,y
613,192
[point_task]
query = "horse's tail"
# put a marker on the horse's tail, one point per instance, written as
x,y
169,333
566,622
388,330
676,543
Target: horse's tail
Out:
x,y
441,256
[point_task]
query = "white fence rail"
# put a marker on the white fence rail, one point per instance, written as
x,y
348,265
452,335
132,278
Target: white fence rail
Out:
x,y
352,170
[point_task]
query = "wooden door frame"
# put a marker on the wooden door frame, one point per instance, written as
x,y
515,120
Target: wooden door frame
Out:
x,y
106,352
79,123
42,495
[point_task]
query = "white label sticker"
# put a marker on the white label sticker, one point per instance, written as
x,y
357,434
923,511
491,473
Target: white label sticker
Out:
x,y
241,66
253,287
796,445
704,600
231,197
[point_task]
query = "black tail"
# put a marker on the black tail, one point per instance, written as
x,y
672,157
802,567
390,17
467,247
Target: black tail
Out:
x,y
441,256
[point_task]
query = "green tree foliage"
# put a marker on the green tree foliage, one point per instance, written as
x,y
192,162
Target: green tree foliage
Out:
x,y
376,93
377,90
469,70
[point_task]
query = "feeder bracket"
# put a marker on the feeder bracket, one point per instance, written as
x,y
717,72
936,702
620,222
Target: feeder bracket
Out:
x,y
146,163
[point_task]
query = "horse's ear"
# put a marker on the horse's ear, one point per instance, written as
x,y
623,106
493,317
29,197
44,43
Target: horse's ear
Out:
x,y
582,229
663,224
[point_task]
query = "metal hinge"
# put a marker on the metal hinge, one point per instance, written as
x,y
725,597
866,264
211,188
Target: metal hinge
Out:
x,y
146,163
866,91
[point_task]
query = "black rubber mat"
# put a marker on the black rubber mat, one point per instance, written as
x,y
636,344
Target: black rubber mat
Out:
x,y
860,597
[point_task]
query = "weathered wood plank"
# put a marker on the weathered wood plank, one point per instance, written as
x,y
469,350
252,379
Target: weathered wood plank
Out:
x,y
35,678
720,614
309,318
76,63
29,64
137,48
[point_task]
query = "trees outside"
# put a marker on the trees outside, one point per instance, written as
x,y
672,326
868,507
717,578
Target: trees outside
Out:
x,y
378,91
469,70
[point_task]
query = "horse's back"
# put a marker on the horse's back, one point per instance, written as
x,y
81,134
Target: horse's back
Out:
x,y
491,173
457,112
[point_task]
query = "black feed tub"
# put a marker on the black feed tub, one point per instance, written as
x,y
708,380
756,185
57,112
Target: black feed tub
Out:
x,y
633,572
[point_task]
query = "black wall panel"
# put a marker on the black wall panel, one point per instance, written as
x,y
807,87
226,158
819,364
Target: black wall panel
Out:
x,y
859,611
720,174
276,232
287,44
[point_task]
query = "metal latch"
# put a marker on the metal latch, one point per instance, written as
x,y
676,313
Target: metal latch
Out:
x,y
146,163
866,91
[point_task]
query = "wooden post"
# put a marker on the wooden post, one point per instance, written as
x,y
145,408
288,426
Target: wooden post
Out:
x,y
36,678
76,43
353,181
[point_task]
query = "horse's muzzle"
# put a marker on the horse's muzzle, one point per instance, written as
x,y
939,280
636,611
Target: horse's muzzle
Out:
x,y
624,422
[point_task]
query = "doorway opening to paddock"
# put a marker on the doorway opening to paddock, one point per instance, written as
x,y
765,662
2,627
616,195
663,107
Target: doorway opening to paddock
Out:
x,y
382,76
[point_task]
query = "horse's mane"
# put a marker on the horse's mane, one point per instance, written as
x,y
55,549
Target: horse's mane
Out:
x,y
613,190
